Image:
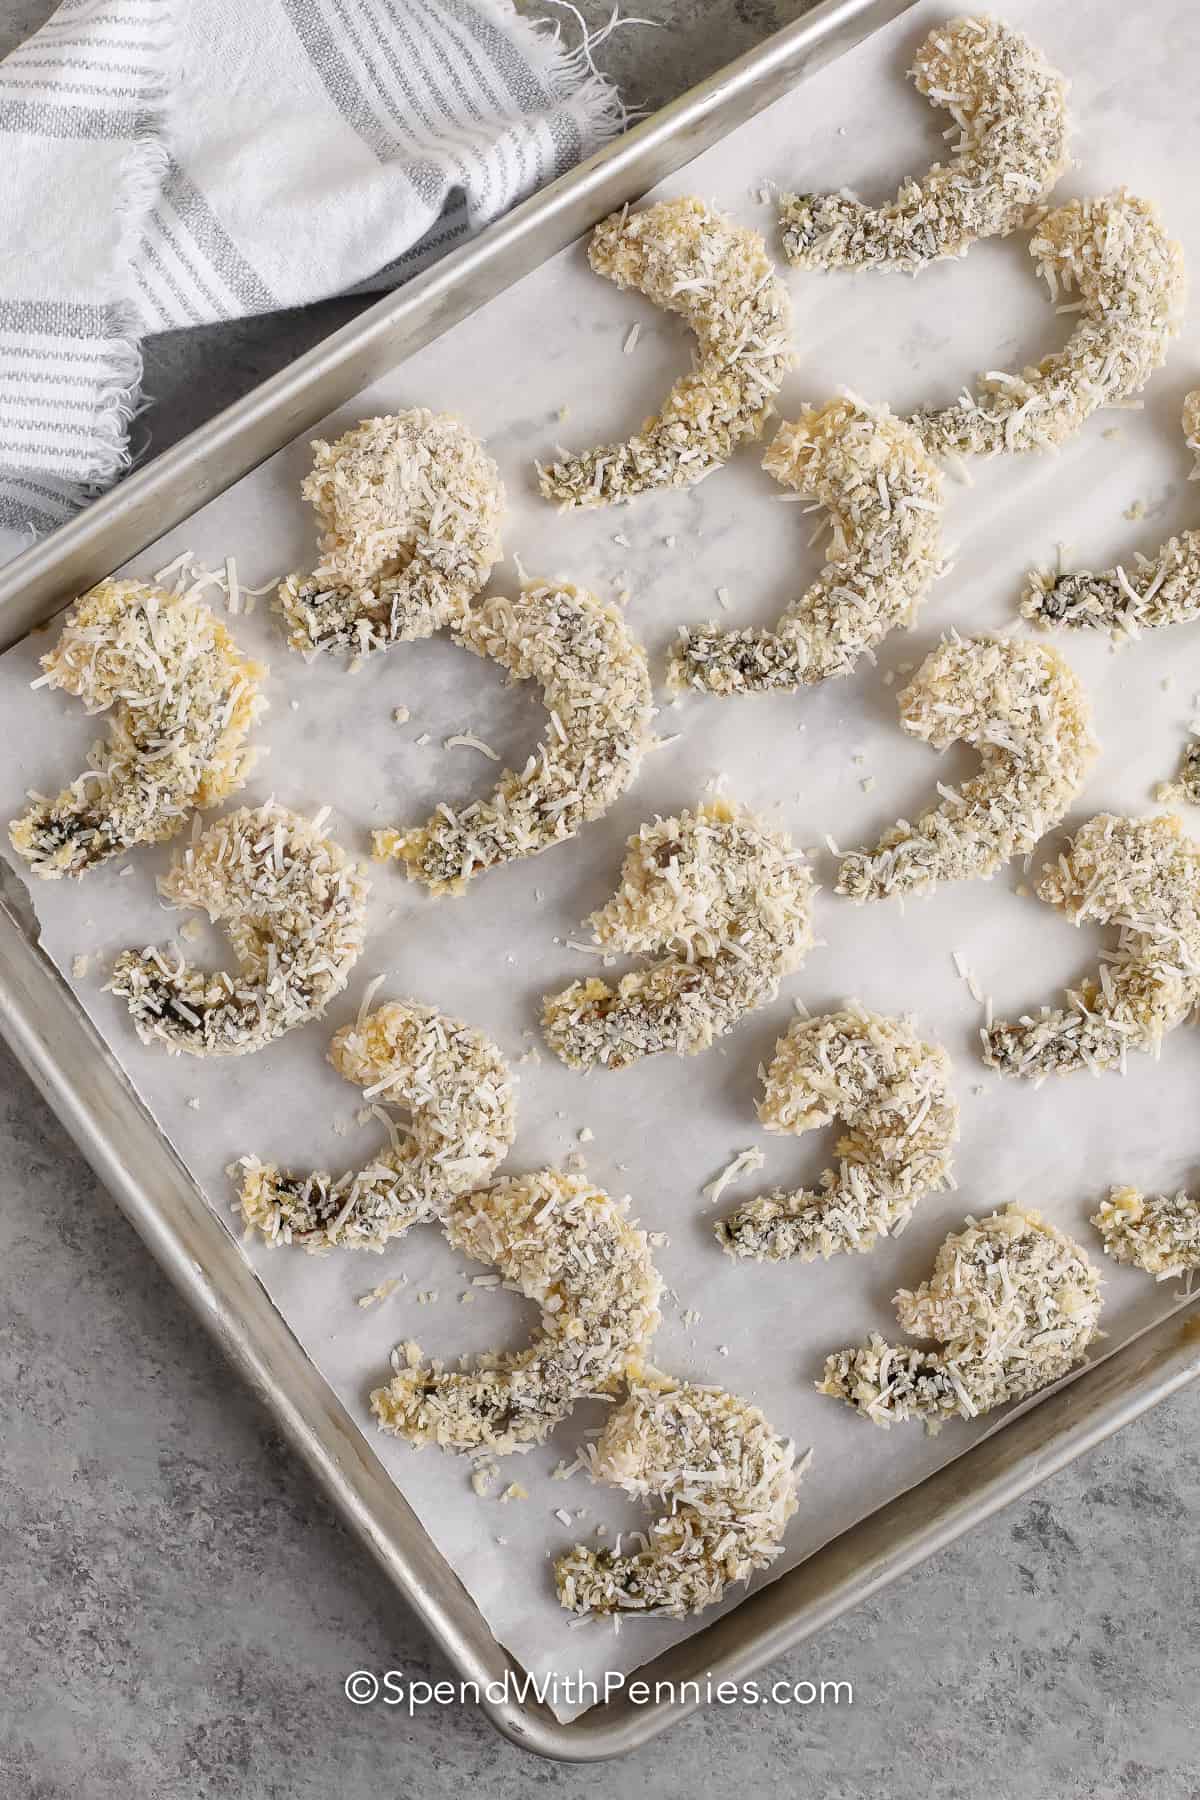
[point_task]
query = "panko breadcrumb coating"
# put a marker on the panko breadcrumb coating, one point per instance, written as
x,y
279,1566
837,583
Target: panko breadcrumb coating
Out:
x,y
293,905
1010,108
1013,1304
410,508
457,1090
892,1093
595,684
691,260
1143,876
729,1481
1131,283
571,1248
1159,1233
182,698
729,900
883,496
1163,589
1024,709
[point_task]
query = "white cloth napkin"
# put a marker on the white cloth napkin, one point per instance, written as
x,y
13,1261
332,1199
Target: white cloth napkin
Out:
x,y
171,162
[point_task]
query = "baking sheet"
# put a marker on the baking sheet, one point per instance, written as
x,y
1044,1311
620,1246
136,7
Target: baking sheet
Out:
x,y
661,1131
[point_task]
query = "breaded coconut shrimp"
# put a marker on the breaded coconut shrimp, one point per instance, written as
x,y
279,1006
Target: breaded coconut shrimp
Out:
x,y
458,1093
728,899
1013,1304
892,1092
595,684
1010,108
409,508
883,495
1131,283
729,1481
1163,589
571,1248
182,699
1159,1233
1023,708
1143,876
293,905
693,261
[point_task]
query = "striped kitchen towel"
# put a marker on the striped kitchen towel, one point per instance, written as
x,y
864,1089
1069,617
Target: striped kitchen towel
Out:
x,y
171,162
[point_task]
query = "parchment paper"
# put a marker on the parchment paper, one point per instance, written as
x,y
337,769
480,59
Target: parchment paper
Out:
x,y
665,1128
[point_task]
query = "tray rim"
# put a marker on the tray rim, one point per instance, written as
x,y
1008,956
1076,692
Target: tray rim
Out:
x,y
63,1054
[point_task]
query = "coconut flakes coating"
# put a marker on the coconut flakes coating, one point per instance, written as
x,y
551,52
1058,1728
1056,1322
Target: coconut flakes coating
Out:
x,y
182,699
595,684
293,905
1163,589
892,1092
1159,1233
1143,876
728,1479
1024,709
1010,108
883,495
409,508
1186,785
1131,284
571,1248
1013,1304
457,1090
690,260
730,901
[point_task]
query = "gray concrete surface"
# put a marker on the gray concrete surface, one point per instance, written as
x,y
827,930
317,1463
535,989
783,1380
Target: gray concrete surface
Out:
x,y
178,1607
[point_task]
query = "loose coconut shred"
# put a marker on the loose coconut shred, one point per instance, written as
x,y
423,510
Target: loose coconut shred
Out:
x,y
892,1092
1143,876
458,1092
595,683
718,276
1163,589
571,1248
1026,712
293,905
1159,1233
182,698
409,508
1010,108
1131,283
883,496
729,1480
729,899
1013,1304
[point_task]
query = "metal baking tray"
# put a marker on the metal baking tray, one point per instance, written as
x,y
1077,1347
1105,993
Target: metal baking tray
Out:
x,y
65,1057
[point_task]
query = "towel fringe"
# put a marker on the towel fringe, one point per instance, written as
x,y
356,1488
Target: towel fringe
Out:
x,y
143,172
571,75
